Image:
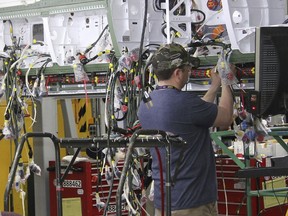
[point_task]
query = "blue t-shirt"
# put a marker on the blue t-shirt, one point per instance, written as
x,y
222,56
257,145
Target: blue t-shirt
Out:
x,y
187,115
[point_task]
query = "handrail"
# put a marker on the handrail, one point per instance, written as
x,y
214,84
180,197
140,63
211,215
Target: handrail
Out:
x,y
79,143
17,157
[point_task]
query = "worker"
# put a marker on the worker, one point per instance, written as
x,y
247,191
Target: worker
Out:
x,y
183,113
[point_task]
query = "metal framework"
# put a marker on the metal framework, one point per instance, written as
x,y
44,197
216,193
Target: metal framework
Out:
x,y
277,134
46,8
133,142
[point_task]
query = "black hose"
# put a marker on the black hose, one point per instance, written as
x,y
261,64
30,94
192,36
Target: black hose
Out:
x,y
142,37
93,44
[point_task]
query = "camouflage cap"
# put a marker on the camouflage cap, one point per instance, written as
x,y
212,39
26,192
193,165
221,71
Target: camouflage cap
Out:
x,y
170,56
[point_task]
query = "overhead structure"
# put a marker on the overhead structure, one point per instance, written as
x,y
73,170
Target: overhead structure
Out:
x,y
13,3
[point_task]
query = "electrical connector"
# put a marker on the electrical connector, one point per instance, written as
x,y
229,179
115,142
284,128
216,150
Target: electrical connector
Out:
x,y
19,177
136,181
35,90
79,72
99,204
2,86
42,87
151,194
7,131
108,175
144,198
17,182
117,172
34,168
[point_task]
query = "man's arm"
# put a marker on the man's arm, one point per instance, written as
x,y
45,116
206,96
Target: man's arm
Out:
x,y
225,108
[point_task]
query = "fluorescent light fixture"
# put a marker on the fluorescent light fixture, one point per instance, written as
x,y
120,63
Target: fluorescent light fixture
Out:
x,y
12,3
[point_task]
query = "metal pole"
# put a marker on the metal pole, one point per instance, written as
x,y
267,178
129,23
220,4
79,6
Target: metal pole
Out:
x,y
249,198
168,21
12,173
58,177
70,165
168,180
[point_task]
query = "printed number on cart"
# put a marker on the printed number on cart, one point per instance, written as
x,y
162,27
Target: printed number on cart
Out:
x,y
72,184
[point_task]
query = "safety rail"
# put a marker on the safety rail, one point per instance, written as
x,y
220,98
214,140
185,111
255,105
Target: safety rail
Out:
x,y
99,142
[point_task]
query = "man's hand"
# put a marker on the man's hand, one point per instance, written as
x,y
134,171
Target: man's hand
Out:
x,y
215,78
215,85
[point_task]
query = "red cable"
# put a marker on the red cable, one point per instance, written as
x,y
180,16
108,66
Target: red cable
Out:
x,y
161,180
142,184
46,83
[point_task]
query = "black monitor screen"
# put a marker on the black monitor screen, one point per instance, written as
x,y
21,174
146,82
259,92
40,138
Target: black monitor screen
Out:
x,y
271,70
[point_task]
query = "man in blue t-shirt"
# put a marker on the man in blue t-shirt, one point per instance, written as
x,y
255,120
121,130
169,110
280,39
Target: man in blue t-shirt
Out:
x,y
194,191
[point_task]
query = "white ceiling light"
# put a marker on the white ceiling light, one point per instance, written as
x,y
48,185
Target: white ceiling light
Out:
x,y
12,3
